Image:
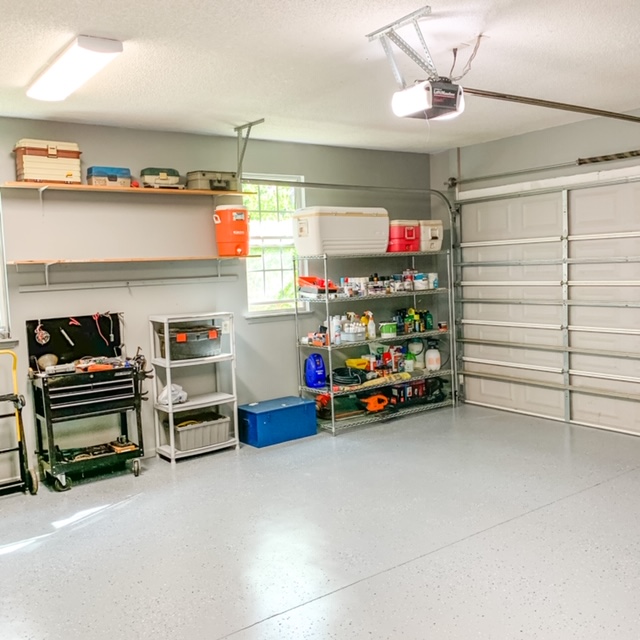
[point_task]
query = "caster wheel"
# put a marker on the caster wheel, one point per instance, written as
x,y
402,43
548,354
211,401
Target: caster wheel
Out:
x,y
32,482
59,487
135,467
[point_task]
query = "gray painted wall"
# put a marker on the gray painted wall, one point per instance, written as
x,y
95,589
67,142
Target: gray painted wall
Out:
x,y
558,145
266,350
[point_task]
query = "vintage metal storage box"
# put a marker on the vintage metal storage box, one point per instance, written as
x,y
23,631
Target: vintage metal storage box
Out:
x,y
186,342
47,161
212,180
340,230
159,177
109,176
272,421
431,234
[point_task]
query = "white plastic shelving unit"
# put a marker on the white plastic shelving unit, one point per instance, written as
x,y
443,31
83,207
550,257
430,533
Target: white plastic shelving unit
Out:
x,y
222,391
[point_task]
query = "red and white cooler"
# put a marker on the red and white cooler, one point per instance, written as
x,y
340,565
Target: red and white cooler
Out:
x,y
404,235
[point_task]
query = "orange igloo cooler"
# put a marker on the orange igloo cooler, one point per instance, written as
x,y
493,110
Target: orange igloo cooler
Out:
x,y
232,230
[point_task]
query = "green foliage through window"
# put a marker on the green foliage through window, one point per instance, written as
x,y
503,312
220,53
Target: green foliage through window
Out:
x,y
270,277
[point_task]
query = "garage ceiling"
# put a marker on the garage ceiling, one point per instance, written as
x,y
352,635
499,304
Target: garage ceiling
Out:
x,y
206,66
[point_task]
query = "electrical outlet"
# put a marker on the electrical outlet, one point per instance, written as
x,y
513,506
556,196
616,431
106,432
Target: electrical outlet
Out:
x,y
225,326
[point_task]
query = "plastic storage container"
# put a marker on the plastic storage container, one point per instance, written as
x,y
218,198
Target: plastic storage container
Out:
x,y
232,230
191,342
272,421
159,177
431,234
340,230
109,176
212,180
208,428
47,161
404,235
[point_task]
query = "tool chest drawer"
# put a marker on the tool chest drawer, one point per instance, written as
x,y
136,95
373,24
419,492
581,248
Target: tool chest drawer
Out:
x,y
75,395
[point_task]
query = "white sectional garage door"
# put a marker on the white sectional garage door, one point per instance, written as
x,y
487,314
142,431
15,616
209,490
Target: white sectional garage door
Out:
x,y
549,304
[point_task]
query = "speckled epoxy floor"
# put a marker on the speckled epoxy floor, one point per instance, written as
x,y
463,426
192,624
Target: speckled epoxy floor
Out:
x,y
450,525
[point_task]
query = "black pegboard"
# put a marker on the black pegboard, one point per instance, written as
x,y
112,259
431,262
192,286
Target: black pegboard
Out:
x,y
85,336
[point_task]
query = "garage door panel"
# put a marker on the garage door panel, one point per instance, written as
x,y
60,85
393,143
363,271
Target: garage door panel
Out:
x,y
543,314
516,372
530,217
613,386
517,272
511,253
543,293
605,317
605,209
605,342
623,295
514,334
613,272
549,402
605,248
607,412
507,354
600,364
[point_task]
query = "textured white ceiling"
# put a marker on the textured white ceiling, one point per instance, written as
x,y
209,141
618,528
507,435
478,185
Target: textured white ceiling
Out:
x,y
305,65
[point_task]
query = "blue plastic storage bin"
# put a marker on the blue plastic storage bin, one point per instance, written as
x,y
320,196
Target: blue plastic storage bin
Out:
x,y
273,421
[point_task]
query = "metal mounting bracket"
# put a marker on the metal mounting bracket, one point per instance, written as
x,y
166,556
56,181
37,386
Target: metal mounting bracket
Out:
x,y
389,34
242,144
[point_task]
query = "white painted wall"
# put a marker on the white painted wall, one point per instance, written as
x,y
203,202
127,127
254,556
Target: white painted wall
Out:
x,y
266,350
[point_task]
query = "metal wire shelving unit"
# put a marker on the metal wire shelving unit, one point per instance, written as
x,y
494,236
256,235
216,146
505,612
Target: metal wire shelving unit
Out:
x,y
415,298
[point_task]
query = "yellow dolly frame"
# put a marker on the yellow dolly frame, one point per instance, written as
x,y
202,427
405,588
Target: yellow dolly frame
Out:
x,y
28,478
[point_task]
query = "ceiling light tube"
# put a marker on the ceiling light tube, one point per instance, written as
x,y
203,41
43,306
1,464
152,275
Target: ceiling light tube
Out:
x,y
79,62
432,100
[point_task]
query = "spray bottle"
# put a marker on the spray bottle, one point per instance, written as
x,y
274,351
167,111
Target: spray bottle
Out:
x,y
371,325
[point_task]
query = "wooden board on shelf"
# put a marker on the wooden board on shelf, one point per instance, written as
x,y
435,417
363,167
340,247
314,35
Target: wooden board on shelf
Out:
x,y
57,186
21,263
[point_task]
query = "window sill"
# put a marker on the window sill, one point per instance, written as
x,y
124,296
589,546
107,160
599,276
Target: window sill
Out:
x,y
275,316
8,343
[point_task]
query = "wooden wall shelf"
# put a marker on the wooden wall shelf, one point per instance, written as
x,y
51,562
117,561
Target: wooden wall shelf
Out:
x,y
52,261
55,186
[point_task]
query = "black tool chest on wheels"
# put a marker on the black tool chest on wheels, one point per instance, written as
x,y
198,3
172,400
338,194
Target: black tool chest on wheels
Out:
x,y
72,396
92,379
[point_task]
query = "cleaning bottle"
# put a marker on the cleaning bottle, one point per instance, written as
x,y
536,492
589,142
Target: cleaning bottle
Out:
x,y
371,326
428,321
433,356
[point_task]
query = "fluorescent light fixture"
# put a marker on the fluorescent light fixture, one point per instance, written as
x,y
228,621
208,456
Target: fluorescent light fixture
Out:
x,y
81,60
432,100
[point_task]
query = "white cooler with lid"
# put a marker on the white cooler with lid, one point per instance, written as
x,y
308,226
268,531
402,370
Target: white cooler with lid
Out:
x,y
340,230
431,234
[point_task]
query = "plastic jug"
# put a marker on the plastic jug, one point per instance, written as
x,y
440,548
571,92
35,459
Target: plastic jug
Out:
x,y
433,356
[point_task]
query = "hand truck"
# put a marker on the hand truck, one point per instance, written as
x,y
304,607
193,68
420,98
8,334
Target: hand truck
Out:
x,y
28,478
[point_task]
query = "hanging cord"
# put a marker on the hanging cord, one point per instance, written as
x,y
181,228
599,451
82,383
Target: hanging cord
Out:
x,y
467,66
96,319
453,64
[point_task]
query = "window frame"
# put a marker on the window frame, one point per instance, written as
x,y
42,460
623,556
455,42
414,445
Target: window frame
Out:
x,y
256,309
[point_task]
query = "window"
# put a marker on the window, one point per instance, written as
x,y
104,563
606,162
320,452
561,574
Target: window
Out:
x,y
270,282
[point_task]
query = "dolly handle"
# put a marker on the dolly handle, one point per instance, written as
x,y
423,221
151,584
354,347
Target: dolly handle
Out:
x,y
14,367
